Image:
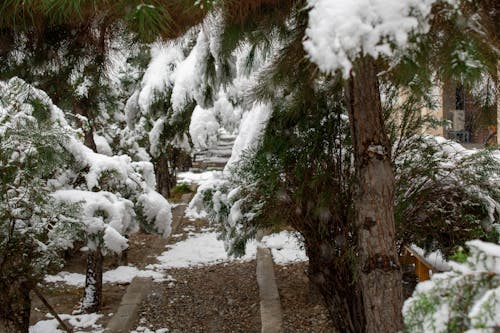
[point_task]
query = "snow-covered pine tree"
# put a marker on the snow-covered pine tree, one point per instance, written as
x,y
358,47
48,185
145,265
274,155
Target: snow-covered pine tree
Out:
x,y
349,39
109,189
81,76
34,227
186,95
287,176
239,204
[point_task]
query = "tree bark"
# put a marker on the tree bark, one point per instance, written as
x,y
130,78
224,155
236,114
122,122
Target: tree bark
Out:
x,y
82,109
498,103
379,269
15,307
92,294
164,179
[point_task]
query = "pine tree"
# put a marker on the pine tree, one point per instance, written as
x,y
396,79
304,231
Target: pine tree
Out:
x,y
76,77
34,227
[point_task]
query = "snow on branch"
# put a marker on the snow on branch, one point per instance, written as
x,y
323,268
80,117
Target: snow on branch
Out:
x,y
340,31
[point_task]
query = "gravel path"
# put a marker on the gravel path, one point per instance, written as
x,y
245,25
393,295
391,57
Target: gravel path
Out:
x,y
299,313
224,298
220,298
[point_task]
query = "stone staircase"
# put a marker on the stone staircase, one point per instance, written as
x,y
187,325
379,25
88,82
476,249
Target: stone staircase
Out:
x,y
216,157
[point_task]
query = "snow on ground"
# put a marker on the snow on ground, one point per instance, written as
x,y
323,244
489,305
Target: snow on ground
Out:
x,y
45,326
285,247
205,249
198,178
142,329
122,274
197,250
82,321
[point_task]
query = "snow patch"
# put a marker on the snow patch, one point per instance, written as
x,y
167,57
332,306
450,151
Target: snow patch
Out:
x,y
205,249
121,274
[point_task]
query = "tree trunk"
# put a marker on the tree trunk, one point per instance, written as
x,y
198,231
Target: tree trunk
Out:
x,y
92,293
379,270
330,271
17,279
15,307
82,109
93,279
164,181
498,103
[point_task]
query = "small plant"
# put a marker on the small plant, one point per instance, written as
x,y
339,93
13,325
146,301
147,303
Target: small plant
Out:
x,y
181,188
459,256
178,190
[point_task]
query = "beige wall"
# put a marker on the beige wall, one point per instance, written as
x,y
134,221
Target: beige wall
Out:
x,y
437,112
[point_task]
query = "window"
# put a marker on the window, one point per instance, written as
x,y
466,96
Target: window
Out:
x,y
459,98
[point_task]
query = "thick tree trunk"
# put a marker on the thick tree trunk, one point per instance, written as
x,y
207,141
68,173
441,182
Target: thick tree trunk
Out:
x,y
92,293
331,272
380,273
15,307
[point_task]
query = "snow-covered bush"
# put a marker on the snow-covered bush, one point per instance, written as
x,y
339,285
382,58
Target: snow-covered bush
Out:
x,y
466,299
446,194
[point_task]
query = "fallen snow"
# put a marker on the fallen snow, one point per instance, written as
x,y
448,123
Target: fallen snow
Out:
x,y
82,320
122,274
197,178
72,279
85,321
45,326
197,250
143,329
205,249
